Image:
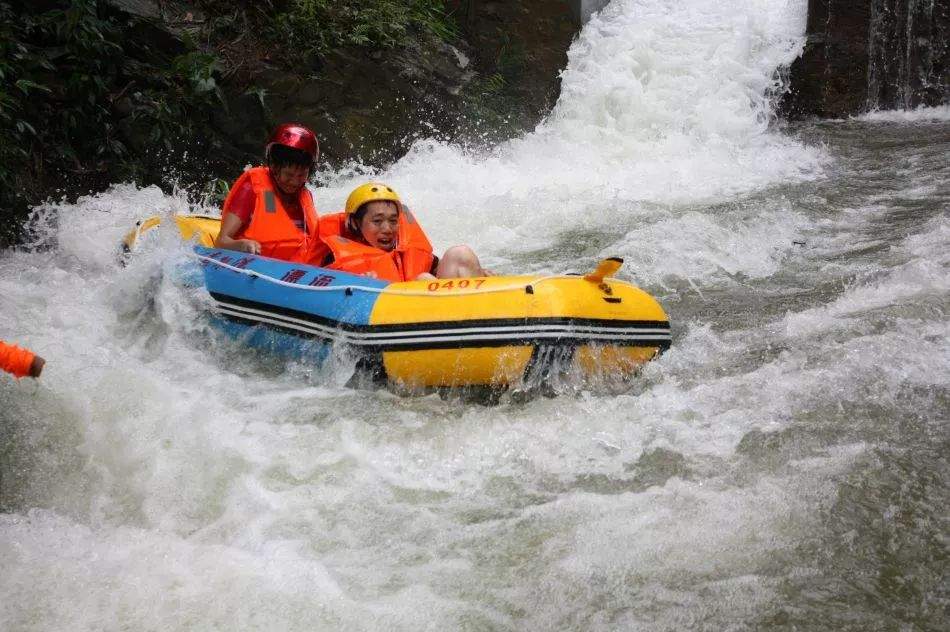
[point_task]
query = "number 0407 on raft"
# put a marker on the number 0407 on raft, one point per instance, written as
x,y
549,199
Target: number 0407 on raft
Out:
x,y
455,284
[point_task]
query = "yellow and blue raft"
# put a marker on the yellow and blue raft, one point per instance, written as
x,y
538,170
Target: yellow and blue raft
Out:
x,y
494,331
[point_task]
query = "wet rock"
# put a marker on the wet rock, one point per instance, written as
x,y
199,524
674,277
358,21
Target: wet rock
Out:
x,y
860,56
370,106
312,92
147,27
583,9
244,122
148,9
525,43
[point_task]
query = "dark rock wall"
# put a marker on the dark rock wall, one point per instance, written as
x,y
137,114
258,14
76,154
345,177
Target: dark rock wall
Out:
x,y
363,105
871,54
371,105
908,53
526,42
583,9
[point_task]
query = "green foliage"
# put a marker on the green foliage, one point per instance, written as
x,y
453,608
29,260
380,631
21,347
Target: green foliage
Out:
x,y
214,192
306,26
492,85
492,100
82,99
87,100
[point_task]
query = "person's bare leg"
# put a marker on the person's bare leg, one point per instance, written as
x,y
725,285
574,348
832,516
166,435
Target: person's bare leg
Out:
x,y
459,262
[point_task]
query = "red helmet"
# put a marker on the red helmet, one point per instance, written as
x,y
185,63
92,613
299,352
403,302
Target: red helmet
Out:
x,y
295,136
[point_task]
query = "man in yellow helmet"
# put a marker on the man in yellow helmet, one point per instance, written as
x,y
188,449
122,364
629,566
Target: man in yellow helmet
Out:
x,y
377,236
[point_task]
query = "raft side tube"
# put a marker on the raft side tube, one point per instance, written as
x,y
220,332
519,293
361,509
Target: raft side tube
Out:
x,y
203,229
464,334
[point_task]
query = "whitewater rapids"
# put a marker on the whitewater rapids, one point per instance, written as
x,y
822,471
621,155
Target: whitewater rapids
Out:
x,y
784,465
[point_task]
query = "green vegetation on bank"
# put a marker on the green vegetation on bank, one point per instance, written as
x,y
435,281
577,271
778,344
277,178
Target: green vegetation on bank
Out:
x,y
322,25
176,92
85,101
89,95
296,28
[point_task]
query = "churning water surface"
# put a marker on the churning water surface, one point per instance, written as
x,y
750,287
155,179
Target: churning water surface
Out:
x,y
784,465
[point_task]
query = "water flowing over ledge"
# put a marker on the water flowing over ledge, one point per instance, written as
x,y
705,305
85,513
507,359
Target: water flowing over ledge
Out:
x,y
920,114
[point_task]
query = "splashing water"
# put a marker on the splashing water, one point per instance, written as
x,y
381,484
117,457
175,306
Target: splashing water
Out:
x,y
662,103
787,456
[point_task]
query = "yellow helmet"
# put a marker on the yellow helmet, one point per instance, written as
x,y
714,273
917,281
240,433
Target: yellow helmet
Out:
x,y
371,192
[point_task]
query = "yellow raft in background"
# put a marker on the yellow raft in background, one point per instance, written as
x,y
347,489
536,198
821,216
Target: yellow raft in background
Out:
x,y
490,331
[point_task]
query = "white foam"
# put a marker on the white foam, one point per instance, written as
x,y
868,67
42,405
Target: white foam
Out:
x,y
921,114
662,101
920,276
695,245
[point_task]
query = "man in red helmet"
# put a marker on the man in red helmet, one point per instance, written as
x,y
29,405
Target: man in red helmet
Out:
x,y
269,211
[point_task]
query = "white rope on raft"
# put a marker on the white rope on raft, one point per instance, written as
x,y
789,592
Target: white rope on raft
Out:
x,y
381,290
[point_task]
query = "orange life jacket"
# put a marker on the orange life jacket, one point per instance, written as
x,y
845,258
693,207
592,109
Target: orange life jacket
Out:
x,y
411,257
16,360
271,225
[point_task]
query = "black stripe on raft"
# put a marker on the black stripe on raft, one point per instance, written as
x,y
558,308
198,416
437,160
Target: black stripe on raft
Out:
x,y
453,335
460,342
540,330
449,324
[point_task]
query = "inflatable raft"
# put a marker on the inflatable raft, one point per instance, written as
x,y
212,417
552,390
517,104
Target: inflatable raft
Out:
x,y
492,331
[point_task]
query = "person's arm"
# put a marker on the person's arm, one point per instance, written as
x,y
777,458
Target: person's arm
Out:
x,y
230,225
20,362
237,213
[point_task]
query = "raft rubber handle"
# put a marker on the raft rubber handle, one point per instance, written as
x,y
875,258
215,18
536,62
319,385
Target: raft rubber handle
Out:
x,y
606,268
